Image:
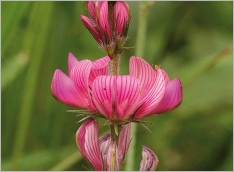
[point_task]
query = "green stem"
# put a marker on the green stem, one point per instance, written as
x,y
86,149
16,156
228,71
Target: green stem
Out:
x,y
115,64
141,35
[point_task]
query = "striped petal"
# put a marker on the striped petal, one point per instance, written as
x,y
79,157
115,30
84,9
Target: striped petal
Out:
x,y
116,96
66,91
72,61
103,21
99,67
152,99
90,26
172,97
149,160
112,158
105,142
88,143
124,142
144,73
80,75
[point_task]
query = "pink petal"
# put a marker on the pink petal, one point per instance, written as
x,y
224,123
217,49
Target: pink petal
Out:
x,y
72,61
149,160
80,75
103,21
124,142
105,142
144,73
90,26
66,91
91,9
112,158
88,143
102,95
116,96
127,94
166,78
99,67
121,16
152,98
172,97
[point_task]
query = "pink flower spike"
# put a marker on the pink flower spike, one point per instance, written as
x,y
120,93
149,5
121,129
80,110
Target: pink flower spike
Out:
x,y
149,160
124,142
172,97
88,143
66,91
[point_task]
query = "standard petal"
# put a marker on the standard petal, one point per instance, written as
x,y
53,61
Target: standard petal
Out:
x,y
88,143
172,97
80,75
149,160
127,96
124,142
72,61
154,96
99,67
145,74
66,91
116,96
102,95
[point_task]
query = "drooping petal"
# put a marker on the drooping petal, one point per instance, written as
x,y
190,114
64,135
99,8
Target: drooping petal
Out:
x,y
104,142
152,98
88,143
66,91
172,97
72,61
124,142
149,160
112,158
90,26
116,96
99,67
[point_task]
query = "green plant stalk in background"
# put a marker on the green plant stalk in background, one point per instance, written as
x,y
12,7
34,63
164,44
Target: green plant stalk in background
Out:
x,y
140,44
34,43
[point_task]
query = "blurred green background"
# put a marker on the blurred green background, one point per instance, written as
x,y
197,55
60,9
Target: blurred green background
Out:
x,y
190,40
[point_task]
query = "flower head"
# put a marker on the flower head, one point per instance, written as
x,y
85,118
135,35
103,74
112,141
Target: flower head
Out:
x,y
123,98
108,23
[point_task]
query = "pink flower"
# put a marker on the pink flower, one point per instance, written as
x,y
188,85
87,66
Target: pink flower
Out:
x,y
102,153
108,23
142,93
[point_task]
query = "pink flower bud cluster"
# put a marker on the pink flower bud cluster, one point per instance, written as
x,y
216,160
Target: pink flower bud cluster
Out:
x,y
108,23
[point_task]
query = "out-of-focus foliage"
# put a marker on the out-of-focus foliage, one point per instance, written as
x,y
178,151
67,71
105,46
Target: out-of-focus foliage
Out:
x,y
185,38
